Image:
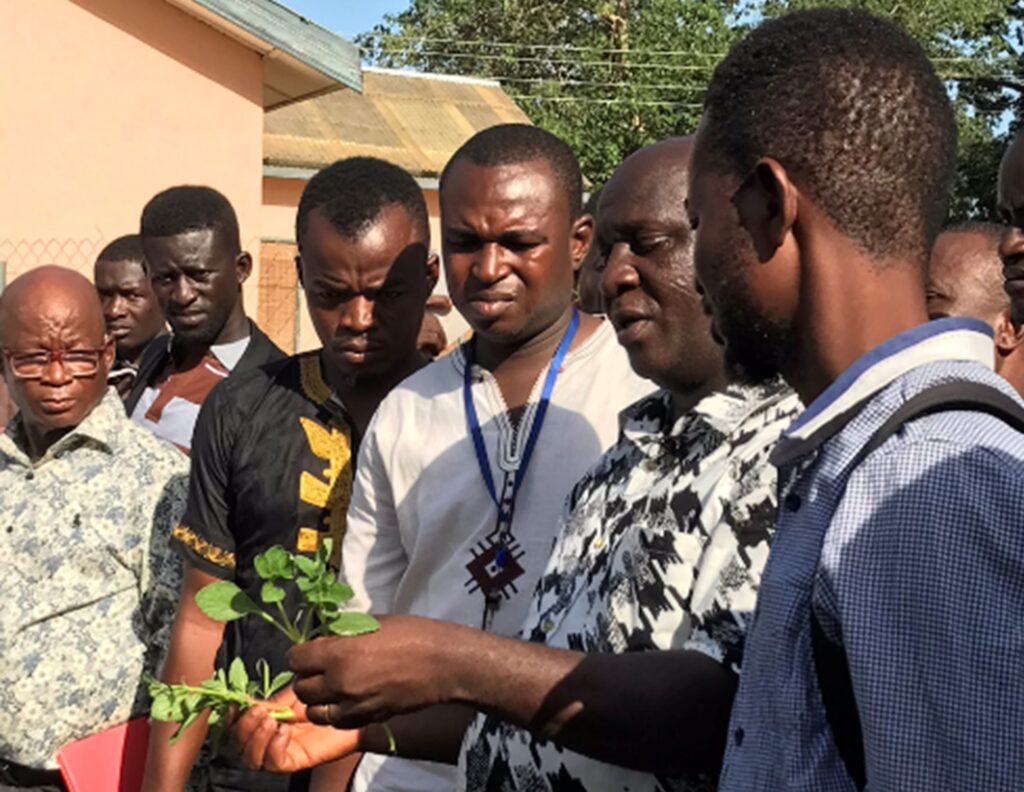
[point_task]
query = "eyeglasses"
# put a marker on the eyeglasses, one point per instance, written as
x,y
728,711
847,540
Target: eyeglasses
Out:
x,y
31,364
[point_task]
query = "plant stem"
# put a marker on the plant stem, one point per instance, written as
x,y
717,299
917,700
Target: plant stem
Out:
x,y
292,632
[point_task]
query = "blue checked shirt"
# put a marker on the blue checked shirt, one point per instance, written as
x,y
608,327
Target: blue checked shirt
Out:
x,y
914,562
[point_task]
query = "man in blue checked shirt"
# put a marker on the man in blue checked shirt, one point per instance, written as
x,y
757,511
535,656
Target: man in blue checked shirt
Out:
x,y
821,176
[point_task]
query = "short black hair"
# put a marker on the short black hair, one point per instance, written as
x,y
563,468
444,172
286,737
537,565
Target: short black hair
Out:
x,y
510,144
590,207
850,105
124,248
185,208
993,232
351,192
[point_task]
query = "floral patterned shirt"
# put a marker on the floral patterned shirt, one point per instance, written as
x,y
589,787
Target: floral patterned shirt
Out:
x,y
662,548
90,587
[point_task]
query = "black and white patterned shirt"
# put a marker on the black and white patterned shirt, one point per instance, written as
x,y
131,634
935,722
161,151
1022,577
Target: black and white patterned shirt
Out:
x,y
662,548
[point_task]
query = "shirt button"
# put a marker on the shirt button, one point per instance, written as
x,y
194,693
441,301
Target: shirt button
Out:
x,y
737,737
599,543
651,465
793,502
548,626
29,476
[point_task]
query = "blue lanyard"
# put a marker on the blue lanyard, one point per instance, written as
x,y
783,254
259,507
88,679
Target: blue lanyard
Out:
x,y
545,397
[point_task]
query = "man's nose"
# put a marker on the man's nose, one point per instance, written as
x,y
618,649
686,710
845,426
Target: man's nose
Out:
x,y
358,315
117,308
619,273
184,291
1011,246
55,373
489,265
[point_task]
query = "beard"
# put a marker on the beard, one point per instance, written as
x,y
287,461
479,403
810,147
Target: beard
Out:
x,y
755,344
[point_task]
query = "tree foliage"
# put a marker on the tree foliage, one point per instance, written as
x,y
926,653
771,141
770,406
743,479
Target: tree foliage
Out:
x,y
610,76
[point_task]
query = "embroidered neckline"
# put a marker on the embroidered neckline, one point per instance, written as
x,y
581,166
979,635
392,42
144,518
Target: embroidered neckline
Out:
x,y
312,379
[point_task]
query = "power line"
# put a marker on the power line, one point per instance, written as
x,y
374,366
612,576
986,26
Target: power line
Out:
x,y
606,101
573,48
539,59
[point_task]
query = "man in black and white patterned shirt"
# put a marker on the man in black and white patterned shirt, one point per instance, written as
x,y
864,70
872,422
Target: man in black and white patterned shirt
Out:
x,y
642,609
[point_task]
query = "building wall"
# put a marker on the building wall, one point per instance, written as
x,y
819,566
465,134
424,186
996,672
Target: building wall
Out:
x,y
279,302
107,102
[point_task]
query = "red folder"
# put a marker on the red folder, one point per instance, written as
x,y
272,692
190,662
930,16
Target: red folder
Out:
x,y
110,761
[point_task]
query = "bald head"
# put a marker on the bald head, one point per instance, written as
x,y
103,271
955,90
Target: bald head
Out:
x,y
57,354
662,168
51,298
965,275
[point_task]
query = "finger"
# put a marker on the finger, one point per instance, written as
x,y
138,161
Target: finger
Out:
x,y
245,727
276,758
255,749
323,714
309,658
316,690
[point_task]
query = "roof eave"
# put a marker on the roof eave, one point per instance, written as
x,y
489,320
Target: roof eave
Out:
x,y
301,59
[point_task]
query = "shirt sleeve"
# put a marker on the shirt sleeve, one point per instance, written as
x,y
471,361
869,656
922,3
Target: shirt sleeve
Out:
x,y
373,556
162,571
921,577
204,537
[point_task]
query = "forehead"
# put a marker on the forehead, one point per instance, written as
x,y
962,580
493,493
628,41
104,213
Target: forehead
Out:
x,y
117,272
503,193
42,321
648,188
387,246
962,254
199,248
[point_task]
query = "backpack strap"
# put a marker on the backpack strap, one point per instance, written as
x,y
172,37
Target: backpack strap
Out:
x,y
830,662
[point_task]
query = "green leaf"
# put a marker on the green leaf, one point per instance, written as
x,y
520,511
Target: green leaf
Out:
x,y
237,676
271,593
163,708
307,566
224,601
279,683
350,624
275,564
323,555
339,592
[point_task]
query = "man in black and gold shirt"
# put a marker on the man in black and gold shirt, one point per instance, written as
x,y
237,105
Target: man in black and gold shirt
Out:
x,y
274,448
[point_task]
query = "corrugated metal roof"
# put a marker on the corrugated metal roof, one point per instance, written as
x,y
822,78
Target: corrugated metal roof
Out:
x,y
416,121
300,58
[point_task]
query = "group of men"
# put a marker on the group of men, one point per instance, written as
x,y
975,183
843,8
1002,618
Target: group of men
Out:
x,y
582,522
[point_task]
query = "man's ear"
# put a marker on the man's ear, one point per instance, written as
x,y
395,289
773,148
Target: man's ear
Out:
x,y
1008,335
582,239
433,271
767,203
109,352
243,267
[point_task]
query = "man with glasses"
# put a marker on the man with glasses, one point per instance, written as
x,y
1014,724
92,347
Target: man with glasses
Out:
x,y
89,499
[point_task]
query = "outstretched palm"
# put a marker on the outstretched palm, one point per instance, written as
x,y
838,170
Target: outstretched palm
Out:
x,y
288,747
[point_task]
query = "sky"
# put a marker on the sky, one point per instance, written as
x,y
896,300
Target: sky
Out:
x,y
346,17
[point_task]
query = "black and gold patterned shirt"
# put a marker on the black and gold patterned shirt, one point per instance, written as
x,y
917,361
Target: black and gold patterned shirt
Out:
x,y
271,465
661,548
89,589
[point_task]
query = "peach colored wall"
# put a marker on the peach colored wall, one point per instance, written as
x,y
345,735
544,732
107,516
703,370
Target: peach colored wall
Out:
x,y
281,202
106,102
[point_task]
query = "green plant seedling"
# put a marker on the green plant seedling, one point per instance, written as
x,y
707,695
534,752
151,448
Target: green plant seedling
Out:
x,y
321,597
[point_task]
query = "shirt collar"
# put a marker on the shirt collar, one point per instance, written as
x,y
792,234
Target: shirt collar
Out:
x,y
98,429
650,418
962,339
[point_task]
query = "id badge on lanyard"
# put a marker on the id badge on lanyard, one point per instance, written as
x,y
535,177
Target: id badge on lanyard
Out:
x,y
496,564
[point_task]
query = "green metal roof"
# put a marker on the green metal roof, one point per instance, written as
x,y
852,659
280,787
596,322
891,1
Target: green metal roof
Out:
x,y
293,34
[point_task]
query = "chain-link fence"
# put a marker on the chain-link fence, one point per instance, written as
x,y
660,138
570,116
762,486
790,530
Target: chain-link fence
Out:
x,y
21,255
278,313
